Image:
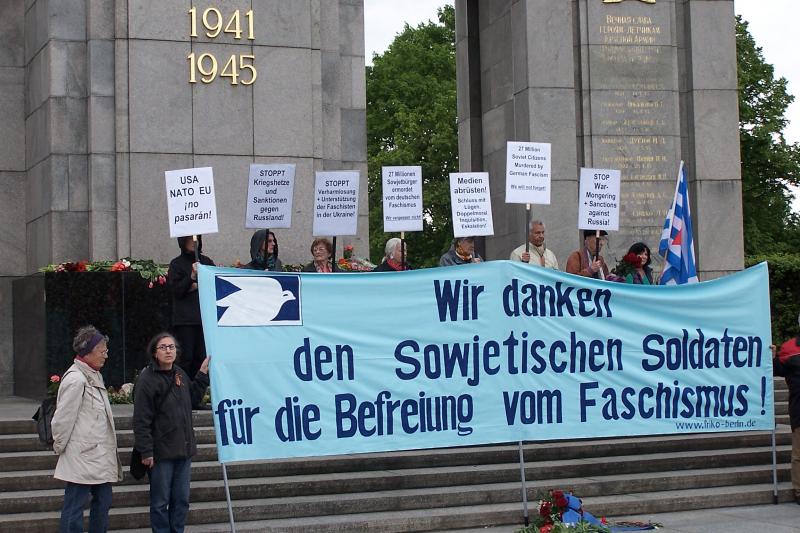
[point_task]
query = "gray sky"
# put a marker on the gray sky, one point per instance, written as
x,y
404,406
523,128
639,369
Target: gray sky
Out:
x,y
773,23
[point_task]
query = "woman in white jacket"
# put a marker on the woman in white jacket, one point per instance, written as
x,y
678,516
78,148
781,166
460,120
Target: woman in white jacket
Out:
x,y
84,437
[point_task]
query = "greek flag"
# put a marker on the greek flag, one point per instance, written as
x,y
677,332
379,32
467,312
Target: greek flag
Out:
x,y
677,245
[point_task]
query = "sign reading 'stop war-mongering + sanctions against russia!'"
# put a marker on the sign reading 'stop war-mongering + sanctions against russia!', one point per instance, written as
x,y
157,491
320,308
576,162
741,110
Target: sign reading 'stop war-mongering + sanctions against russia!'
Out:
x,y
319,364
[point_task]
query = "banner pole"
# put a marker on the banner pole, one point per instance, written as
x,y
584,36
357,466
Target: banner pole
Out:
x,y
774,470
228,497
196,251
402,250
524,487
527,230
333,254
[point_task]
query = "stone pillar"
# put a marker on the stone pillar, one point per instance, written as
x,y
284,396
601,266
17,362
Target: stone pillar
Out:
x,y
632,86
12,174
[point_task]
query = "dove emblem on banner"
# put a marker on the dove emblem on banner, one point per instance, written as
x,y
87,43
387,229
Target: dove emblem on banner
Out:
x,y
258,301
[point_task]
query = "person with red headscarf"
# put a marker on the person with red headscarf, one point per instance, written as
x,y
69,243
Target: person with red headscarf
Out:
x,y
786,364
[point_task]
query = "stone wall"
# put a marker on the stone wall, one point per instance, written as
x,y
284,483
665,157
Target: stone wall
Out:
x,y
629,86
12,172
96,103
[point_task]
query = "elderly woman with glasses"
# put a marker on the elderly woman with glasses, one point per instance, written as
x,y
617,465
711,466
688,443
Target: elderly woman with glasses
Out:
x,y
321,251
84,436
163,430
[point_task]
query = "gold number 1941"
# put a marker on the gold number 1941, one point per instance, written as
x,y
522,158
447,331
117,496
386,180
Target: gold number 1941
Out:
x,y
212,21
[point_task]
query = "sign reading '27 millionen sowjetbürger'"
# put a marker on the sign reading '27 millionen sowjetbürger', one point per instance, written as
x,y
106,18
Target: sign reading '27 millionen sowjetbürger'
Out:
x,y
316,364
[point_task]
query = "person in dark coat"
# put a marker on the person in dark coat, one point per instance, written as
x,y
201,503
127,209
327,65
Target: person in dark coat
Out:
x,y
163,431
393,257
186,324
786,364
262,260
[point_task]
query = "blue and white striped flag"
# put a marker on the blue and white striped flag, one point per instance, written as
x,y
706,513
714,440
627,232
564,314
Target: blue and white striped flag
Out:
x,y
677,244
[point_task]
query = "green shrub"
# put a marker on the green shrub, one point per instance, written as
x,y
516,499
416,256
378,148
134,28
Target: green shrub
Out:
x,y
784,292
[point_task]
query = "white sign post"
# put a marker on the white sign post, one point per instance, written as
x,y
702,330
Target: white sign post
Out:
x,y
471,204
336,203
270,191
402,199
599,199
191,202
527,173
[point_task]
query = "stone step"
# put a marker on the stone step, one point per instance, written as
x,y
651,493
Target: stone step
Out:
x,y
46,460
493,515
414,478
28,442
123,420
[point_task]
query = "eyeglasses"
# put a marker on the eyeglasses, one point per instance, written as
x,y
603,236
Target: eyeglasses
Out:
x,y
319,249
166,347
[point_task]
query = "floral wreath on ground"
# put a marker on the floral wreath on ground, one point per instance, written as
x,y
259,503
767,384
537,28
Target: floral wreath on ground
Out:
x,y
561,512
147,268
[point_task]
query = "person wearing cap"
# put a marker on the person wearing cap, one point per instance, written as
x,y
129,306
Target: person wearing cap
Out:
x,y
786,364
583,263
84,436
537,254
186,324
461,252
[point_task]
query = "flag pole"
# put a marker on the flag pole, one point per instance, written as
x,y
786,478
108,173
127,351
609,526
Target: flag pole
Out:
x,y
671,212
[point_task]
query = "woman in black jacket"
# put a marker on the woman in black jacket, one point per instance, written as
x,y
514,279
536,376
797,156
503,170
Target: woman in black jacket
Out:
x,y
186,325
163,431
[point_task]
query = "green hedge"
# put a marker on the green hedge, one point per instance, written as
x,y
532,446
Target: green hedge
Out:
x,y
784,289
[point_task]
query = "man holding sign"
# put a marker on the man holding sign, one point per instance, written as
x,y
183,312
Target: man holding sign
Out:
x,y
535,252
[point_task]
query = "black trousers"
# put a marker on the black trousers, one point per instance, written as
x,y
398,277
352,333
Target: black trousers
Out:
x,y
193,348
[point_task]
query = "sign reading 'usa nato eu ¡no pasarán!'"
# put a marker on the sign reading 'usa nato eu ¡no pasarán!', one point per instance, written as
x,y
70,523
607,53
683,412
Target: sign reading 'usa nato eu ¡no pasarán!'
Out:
x,y
318,364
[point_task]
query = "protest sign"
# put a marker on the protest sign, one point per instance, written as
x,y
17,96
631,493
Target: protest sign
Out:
x,y
336,203
191,202
270,190
486,353
402,199
598,206
471,204
527,173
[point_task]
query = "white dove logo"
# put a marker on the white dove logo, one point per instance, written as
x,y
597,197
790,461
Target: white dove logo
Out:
x,y
257,303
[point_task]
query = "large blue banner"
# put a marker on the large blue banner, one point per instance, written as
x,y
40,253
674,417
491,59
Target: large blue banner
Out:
x,y
317,364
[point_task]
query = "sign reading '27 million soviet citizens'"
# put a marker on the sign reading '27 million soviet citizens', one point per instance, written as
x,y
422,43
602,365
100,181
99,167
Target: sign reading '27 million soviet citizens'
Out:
x,y
212,23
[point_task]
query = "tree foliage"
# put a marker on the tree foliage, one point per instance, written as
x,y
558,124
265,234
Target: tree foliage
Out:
x,y
411,120
769,163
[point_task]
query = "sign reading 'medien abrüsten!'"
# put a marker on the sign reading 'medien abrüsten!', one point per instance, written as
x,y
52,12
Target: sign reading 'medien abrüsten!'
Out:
x,y
207,65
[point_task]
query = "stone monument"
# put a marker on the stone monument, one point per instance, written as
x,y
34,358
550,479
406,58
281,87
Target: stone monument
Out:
x,y
634,85
99,97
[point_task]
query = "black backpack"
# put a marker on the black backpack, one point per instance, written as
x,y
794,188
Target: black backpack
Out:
x,y
44,417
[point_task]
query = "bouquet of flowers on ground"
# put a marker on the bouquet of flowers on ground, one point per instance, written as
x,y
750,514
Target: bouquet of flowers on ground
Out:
x,y
561,512
351,263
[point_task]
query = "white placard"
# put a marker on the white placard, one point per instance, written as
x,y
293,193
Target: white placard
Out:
x,y
336,203
270,190
527,173
471,204
191,203
402,199
599,199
